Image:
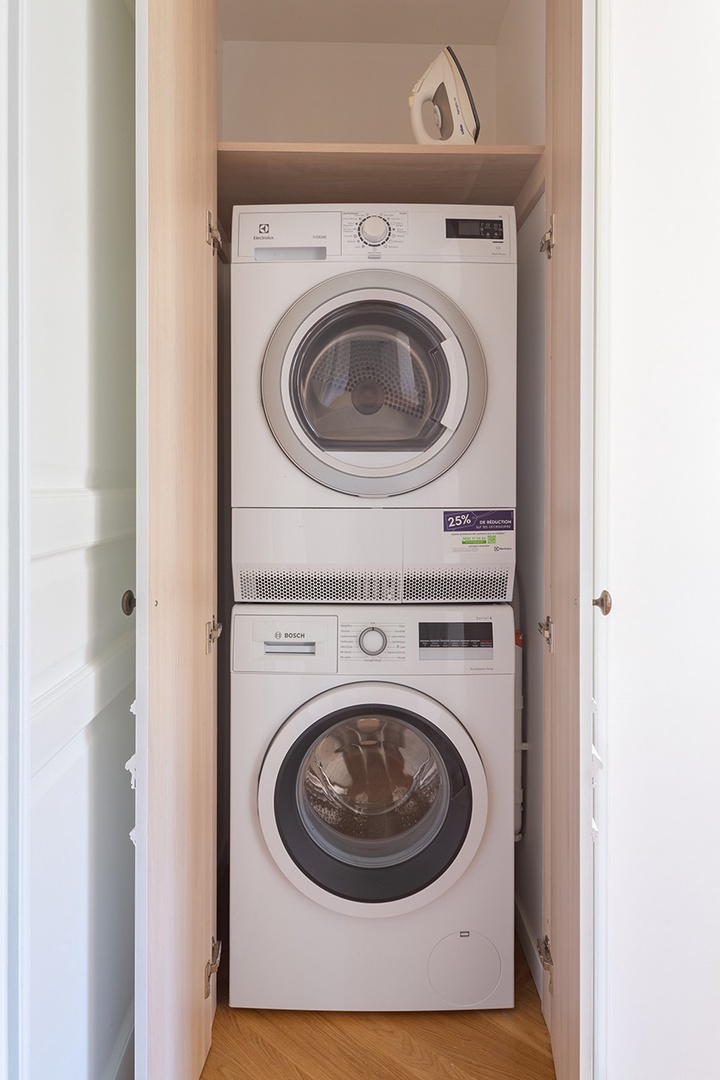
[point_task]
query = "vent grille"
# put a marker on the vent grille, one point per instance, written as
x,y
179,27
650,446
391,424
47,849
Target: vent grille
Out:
x,y
433,584
369,585
319,585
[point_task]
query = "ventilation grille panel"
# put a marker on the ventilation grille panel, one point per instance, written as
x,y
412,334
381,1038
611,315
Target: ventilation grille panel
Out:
x,y
443,584
371,585
319,585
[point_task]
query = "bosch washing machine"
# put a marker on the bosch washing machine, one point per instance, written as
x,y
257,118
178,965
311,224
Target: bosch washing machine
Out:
x,y
372,807
373,377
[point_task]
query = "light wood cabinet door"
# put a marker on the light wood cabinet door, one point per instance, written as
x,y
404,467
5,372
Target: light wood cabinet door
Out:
x,y
567,834
177,513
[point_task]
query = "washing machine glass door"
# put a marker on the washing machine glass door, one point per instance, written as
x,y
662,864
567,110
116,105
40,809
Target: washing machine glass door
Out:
x,y
372,801
374,383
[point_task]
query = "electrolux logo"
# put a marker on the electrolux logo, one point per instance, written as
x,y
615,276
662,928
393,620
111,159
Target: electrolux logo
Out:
x,y
264,228
263,232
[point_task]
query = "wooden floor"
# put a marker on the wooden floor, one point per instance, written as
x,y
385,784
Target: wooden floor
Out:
x,y
503,1044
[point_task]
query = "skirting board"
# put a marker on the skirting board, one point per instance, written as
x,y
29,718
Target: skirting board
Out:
x,y
527,943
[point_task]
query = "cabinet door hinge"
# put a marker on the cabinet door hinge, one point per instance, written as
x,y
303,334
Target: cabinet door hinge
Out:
x,y
543,950
213,630
213,236
547,630
548,241
212,966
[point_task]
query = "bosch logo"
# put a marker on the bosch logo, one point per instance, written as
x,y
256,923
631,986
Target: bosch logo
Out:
x,y
294,635
278,635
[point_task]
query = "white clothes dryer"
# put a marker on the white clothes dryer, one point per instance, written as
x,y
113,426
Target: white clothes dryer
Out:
x,y
373,368
371,834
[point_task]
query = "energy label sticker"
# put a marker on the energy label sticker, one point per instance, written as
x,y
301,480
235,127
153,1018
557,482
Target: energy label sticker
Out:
x,y
466,530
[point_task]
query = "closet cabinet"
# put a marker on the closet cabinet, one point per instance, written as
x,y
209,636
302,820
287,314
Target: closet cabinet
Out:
x,y
178,189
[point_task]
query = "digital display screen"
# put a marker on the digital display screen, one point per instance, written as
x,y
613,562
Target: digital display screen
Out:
x,y
456,635
474,228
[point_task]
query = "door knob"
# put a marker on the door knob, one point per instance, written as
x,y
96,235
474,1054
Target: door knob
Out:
x,y
128,602
604,602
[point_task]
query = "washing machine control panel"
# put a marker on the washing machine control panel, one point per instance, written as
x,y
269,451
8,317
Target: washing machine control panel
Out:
x,y
364,641
370,640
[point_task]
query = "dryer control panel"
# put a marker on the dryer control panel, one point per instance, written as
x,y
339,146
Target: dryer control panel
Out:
x,y
373,640
370,232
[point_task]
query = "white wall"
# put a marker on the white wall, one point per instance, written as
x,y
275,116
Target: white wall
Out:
x,y
79,322
520,65
340,92
532,267
658,365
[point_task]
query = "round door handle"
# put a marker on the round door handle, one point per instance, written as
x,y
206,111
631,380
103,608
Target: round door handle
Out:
x,y
128,602
604,602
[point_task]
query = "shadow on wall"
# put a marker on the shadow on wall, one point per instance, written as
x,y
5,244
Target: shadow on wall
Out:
x,y
111,562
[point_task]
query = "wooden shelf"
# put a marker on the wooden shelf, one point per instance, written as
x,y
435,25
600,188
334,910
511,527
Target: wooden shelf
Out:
x,y
335,172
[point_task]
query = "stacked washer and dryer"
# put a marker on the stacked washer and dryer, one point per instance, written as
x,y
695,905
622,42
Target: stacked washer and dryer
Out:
x,y
373,646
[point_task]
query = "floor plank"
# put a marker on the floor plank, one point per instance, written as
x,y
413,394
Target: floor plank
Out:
x,y
502,1044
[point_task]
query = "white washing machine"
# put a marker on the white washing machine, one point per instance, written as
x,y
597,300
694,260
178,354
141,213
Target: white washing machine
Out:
x,y
373,373
371,835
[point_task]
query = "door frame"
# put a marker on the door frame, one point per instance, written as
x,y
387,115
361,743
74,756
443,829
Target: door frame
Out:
x,y
15,554
590,64
14,575
142,317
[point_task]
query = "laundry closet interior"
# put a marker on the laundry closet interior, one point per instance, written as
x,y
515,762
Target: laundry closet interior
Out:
x,y
312,108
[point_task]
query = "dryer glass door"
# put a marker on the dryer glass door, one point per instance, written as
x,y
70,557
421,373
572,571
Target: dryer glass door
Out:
x,y
369,377
374,383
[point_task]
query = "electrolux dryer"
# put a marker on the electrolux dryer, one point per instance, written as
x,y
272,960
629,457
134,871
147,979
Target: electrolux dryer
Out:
x,y
373,373
371,835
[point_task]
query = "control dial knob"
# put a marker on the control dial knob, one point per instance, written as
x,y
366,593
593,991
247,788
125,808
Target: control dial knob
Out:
x,y
372,641
374,230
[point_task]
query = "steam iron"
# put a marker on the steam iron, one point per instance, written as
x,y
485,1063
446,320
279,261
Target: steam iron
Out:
x,y
441,105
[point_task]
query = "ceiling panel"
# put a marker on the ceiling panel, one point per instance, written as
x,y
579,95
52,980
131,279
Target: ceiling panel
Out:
x,y
412,22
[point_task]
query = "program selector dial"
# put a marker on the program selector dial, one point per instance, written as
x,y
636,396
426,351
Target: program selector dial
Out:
x,y
374,230
372,641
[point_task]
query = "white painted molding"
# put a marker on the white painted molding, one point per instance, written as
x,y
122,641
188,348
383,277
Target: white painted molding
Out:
x,y
15,558
64,521
61,713
6,763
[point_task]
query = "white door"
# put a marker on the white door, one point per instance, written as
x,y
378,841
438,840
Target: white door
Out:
x,y
659,832
68,423
176,398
